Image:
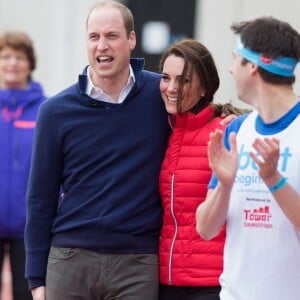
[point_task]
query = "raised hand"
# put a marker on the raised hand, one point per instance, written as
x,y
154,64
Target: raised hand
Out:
x,y
268,150
223,163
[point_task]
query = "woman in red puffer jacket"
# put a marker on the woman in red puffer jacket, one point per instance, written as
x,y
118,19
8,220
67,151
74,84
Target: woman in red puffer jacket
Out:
x,y
189,266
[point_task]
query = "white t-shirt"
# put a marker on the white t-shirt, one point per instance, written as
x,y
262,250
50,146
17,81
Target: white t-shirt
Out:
x,y
262,249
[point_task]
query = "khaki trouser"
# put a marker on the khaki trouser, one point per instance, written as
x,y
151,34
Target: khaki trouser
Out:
x,y
86,275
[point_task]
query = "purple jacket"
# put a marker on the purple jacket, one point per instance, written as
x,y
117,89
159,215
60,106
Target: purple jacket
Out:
x,y
18,112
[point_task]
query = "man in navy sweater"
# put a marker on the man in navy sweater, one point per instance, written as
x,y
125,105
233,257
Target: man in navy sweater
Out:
x,y
93,207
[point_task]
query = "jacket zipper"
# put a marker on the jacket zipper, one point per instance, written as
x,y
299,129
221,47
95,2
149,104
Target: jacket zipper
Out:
x,y
176,228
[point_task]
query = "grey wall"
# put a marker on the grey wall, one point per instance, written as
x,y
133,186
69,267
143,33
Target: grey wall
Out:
x,y
213,29
57,28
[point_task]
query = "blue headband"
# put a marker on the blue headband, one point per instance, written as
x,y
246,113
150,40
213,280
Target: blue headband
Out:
x,y
283,66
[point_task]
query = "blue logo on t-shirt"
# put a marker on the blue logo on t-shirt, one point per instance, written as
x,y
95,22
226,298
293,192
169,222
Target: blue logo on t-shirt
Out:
x,y
247,165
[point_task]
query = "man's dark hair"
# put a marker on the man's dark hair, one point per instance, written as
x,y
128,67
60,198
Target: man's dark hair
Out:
x,y
273,38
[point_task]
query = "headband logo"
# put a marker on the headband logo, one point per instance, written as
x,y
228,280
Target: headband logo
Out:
x,y
265,59
283,66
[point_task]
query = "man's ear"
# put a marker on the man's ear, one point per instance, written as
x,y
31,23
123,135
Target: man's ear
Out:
x,y
254,69
132,40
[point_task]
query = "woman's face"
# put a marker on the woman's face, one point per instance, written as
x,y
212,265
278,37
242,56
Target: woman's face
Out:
x,y
169,84
14,68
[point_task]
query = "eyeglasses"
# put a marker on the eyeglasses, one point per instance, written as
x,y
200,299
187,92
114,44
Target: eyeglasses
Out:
x,y
18,58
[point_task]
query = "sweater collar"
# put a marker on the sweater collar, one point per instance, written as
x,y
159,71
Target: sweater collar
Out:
x,y
137,65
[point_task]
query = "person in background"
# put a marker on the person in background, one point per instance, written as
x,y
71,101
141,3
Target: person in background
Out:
x,y
189,266
20,99
93,205
255,189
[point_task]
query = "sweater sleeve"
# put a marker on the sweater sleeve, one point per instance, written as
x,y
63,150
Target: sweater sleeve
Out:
x,y
42,194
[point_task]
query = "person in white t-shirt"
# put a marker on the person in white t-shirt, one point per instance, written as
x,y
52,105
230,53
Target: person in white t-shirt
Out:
x,y
255,188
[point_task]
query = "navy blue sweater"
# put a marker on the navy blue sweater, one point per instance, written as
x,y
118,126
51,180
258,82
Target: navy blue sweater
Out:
x,y
94,173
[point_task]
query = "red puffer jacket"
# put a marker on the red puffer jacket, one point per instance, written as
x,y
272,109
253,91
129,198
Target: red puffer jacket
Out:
x,y
185,258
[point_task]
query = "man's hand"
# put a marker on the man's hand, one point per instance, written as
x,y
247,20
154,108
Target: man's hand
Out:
x,y
268,156
223,163
39,293
227,119
228,112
